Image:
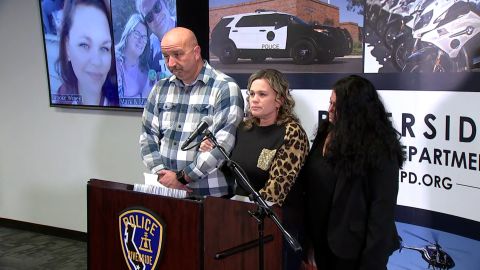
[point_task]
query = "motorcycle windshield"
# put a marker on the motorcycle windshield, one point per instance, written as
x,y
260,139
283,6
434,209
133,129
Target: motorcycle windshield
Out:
x,y
426,4
423,20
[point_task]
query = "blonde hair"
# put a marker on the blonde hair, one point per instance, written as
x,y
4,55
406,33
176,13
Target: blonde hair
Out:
x,y
279,84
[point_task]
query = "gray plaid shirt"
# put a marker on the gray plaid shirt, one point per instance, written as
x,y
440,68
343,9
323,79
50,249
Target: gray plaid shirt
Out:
x,y
172,113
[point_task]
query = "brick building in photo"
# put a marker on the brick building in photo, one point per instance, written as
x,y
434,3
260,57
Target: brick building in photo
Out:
x,y
310,11
354,30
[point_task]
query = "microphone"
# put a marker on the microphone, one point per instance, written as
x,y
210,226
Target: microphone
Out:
x,y
204,124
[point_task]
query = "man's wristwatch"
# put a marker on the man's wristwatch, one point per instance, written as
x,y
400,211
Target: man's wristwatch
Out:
x,y
181,177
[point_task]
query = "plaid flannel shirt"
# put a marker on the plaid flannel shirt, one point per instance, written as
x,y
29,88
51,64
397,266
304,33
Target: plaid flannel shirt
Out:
x,y
172,113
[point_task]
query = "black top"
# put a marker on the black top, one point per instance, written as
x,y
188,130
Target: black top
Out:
x,y
343,210
254,151
320,178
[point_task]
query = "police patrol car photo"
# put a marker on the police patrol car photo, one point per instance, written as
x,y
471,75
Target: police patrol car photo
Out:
x,y
263,34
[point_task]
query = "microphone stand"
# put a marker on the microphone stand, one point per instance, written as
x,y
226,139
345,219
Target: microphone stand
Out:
x,y
263,210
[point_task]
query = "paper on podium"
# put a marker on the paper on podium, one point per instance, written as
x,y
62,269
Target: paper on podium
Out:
x,y
151,179
154,187
247,199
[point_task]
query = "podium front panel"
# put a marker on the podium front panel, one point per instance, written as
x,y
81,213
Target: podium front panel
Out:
x,y
183,242
228,225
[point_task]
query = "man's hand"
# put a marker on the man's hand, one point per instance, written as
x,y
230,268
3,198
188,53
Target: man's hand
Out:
x,y
169,179
206,146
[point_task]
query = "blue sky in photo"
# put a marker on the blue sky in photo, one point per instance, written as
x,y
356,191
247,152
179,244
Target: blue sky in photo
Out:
x,y
345,15
464,251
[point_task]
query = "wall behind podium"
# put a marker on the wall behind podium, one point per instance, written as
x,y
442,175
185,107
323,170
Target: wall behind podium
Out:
x,y
48,154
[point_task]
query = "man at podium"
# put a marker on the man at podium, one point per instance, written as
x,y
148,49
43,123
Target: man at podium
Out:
x,y
174,109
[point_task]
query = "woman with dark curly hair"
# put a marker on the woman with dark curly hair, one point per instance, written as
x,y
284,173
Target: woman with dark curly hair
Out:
x,y
351,177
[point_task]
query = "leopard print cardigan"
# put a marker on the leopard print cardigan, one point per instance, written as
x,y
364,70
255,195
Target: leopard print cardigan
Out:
x,y
286,164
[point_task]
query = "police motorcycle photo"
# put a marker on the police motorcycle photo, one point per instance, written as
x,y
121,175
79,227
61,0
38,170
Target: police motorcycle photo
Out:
x,y
447,38
403,43
386,16
397,23
374,11
392,22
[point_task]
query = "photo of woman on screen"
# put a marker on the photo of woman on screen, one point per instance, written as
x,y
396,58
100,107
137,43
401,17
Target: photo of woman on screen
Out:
x,y
85,61
131,55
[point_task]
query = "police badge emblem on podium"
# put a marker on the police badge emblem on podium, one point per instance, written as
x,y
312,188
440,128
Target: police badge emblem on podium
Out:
x,y
142,236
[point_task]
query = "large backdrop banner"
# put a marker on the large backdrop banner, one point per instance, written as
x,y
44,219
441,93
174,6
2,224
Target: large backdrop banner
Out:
x,y
422,55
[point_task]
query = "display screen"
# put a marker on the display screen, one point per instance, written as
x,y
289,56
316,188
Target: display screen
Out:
x,y
105,53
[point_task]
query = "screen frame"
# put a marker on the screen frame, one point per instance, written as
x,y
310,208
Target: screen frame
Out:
x,y
190,14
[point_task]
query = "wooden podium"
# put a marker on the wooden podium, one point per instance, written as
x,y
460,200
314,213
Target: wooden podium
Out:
x,y
199,234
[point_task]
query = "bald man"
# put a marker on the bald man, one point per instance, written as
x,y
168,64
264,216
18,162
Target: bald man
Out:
x,y
174,109
182,54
